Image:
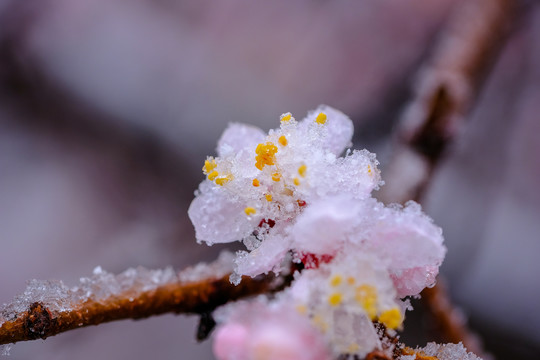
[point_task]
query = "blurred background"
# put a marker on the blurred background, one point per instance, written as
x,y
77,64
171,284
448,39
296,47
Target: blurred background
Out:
x,y
109,107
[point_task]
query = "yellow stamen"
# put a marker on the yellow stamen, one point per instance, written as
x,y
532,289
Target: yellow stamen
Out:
x,y
336,280
250,211
366,296
321,118
209,165
319,322
391,318
350,280
283,140
302,170
276,176
256,182
353,348
268,197
296,181
285,117
369,171
335,299
302,309
266,155
213,175
223,180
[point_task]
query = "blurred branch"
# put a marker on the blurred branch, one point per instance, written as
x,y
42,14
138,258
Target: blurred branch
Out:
x,y
199,297
445,90
451,322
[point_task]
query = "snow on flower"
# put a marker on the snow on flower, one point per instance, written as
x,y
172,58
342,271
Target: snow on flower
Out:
x,y
263,330
259,184
290,192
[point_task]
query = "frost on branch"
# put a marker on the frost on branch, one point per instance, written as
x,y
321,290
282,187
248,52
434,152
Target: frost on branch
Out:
x,y
290,192
58,298
441,352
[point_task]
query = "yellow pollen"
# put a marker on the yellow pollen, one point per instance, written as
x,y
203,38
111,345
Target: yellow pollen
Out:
x,y
209,165
296,181
353,348
268,197
319,322
391,318
335,299
266,155
250,211
302,170
213,175
302,309
336,280
366,296
321,118
256,182
276,176
286,117
369,171
223,180
350,280
283,140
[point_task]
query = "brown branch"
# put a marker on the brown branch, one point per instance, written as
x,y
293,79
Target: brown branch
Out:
x,y
177,297
446,88
450,321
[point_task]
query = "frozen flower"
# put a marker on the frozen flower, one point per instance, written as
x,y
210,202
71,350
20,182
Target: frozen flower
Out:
x,y
291,192
342,299
403,238
258,184
259,330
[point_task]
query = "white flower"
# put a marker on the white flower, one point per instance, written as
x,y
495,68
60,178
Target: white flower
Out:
x,y
258,185
291,192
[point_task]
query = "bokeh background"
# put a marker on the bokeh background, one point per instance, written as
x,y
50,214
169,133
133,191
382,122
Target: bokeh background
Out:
x,y
109,107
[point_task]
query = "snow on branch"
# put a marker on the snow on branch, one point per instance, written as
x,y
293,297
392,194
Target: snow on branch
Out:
x,y
47,308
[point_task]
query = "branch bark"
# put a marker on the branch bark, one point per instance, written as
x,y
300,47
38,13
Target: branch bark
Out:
x,y
38,321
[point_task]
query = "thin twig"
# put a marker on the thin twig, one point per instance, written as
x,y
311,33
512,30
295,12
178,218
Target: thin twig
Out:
x,y
445,91
451,322
178,297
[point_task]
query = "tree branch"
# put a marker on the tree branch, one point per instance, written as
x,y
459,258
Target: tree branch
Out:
x,y
39,321
445,90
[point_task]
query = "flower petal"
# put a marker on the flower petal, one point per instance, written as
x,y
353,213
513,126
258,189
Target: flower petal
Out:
x,y
265,258
217,218
323,227
237,137
337,131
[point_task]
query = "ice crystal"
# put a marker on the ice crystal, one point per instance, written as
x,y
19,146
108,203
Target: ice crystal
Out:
x,y
444,352
217,269
55,294
290,192
58,297
5,349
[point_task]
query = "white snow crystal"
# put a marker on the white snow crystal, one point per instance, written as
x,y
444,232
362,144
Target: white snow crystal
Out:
x,y
217,269
5,349
447,352
58,297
